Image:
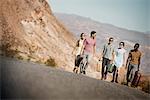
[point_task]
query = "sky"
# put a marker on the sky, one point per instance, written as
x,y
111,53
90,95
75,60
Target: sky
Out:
x,y
129,14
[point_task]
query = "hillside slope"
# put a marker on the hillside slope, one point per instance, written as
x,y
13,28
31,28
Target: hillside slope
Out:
x,y
28,30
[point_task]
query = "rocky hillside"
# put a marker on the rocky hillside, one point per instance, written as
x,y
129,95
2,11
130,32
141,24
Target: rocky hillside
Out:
x,y
29,30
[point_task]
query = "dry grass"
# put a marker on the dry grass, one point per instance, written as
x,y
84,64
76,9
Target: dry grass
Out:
x,y
51,62
6,51
145,85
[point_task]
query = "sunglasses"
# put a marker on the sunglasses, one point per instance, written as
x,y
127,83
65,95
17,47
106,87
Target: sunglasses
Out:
x,y
111,40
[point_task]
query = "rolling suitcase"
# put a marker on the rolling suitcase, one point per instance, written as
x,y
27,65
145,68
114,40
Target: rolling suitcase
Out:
x,y
136,79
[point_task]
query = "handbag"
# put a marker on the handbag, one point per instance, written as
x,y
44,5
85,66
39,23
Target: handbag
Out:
x,y
110,68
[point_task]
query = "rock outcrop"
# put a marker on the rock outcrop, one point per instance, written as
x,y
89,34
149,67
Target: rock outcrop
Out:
x,y
29,30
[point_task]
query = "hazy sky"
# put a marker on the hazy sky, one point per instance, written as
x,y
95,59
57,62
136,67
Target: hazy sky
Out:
x,y
130,14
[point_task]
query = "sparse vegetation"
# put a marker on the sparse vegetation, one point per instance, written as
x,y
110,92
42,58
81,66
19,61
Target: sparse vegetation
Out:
x,y
51,62
20,57
6,51
38,61
145,85
9,40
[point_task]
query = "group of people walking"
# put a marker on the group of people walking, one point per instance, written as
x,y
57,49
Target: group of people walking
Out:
x,y
86,49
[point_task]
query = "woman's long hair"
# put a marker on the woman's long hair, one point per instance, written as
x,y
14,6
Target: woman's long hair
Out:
x,y
81,35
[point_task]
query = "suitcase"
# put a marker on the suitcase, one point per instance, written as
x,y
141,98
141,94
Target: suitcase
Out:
x,y
136,79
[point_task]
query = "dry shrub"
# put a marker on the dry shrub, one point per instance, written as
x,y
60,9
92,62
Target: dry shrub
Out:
x,y
51,62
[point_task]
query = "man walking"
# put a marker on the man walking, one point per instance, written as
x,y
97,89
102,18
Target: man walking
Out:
x,y
133,62
108,57
89,48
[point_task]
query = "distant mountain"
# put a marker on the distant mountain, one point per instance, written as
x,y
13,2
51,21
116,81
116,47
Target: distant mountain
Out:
x,y
78,24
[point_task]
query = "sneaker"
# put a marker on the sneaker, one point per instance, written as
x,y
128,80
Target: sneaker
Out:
x,y
116,81
112,81
126,84
74,70
133,86
84,72
105,77
129,84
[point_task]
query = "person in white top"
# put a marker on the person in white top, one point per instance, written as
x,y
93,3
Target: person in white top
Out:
x,y
77,51
119,61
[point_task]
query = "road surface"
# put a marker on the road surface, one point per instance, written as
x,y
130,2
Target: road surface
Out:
x,y
27,80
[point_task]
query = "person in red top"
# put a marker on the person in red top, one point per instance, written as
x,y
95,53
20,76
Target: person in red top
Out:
x,y
89,48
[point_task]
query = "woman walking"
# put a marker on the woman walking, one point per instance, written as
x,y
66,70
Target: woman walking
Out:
x,y
119,61
77,51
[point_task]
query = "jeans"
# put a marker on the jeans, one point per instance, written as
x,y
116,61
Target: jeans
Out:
x,y
105,64
78,60
115,74
132,68
86,58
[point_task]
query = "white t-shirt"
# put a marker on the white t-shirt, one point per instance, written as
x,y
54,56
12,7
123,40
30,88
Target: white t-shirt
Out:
x,y
119,57
78,50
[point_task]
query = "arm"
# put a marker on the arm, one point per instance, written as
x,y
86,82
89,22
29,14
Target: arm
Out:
x,y
139,62
113,56
94,50
83,46
128,59
82,49
124,59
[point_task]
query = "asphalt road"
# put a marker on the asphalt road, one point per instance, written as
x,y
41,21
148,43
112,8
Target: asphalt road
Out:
x,y
27,80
